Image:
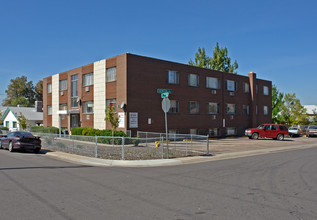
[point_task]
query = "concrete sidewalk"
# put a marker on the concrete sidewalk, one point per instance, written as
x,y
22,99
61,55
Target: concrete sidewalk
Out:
x,y
237,153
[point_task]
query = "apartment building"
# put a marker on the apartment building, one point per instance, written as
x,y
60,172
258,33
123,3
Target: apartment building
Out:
x,y
203,101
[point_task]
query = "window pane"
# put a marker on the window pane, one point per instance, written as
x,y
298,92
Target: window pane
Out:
x,y
63,107
265,90
111,74
212,83
246,87
88,107
74,91
231,131
49,88
172,77
174,107
193,80
49,110
62,85
193,107
265,110
88,79
246,109
231,85
212,108
111,102
230,108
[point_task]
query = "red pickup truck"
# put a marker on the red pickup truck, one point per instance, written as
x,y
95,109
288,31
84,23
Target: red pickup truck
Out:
x,y
275,131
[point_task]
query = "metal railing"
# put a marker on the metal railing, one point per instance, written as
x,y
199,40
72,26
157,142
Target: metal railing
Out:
x,y
128,148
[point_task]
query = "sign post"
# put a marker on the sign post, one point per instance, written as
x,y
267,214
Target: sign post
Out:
x,y
166,104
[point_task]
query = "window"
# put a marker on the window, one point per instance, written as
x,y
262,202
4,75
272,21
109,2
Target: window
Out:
x,y
246,87
74,91
213,108
231,131
265,90
246,109
193,131
231,108
7,124
111,102
212,83
63,85
214,132
49,110
174,107
14,124
63,107
88,107
111,74
172,77
265,110
193,107
193,80
49,88
274,127
88,79
231,85
283,128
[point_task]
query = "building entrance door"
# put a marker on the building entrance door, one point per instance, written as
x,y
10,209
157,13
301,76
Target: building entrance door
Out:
x,y
74,121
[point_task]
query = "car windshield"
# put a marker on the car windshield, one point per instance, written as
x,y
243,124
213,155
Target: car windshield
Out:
x,y
260,126
22,133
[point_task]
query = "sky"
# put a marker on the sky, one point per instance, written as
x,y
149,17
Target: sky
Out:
x,y
274,39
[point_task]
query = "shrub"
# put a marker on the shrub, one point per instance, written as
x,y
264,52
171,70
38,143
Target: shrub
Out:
x,y
41,129
4,128
78,130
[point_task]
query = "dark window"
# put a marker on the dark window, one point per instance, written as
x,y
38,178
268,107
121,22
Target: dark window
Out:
x,y
283,128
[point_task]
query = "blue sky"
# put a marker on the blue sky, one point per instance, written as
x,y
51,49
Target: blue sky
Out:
x,y
275,39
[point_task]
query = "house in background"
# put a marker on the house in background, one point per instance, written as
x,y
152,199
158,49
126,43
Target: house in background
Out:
x,y
33,115
310,110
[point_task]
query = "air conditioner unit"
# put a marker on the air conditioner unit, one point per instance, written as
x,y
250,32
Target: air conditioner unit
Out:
x,y
213,91
213,117
87,89
62,93
231,93
231,117
87,117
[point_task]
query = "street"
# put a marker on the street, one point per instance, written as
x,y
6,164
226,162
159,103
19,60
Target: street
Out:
x,y
272,186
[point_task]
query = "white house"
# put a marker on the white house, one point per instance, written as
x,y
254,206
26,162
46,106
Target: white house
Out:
x,y
11,114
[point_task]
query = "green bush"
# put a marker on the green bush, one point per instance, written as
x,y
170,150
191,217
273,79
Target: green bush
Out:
x,y
86,131
78,130
4,128
41,129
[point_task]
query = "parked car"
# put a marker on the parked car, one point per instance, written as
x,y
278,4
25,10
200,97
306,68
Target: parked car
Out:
x,y
294,131
20,140
311,131
274,131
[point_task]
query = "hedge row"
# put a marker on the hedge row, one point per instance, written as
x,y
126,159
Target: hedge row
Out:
x,y
86,131
41,129
4,128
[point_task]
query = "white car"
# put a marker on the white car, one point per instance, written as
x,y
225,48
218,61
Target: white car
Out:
x,y
294,131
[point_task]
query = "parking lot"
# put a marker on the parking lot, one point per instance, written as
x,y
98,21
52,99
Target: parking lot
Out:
x,y
244,143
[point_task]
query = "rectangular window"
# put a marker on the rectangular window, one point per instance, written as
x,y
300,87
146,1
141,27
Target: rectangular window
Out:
x,y
88,79
231,85
213,108
246,87
212,83
49,88
214,132
111,102
265,90
231,131
193,107
63,107
174,107
63,85
14,124
265,110
7,124
111,74
231,109
49,110
88,107
193,80
193,131
74,91
172,77
246,109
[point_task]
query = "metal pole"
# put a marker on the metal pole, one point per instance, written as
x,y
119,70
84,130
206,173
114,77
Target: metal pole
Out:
x,y
191,142
96,147
60,126
207,144
186,147
146,139
162,142
122,148
166,134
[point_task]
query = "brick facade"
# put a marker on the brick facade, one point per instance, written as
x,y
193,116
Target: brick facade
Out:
x,y
136,84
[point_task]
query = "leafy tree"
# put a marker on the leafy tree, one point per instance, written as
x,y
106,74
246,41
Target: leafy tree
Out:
x,y
277,104
112,118
293,113
219,61
39,91
22,121
19,87
21,100
0,117
313,119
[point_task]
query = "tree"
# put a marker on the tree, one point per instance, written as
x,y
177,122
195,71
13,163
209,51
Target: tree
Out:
x,y
313,119
21,101
22,121
19,87
220,60
277,103
0,117
39,91
293,113
112,118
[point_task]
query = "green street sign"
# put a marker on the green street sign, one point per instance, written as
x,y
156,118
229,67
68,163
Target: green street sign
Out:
x,y
164,95
164,91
